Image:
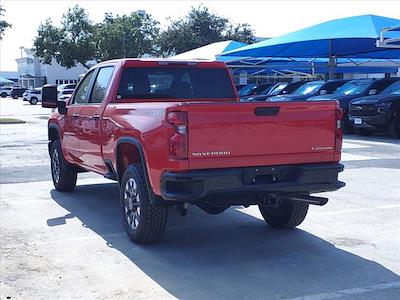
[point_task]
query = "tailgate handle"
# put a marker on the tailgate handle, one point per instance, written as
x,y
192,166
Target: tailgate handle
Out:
x,y
267,111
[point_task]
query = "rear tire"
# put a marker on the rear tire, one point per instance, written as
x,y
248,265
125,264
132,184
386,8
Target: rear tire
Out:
x,y
144,223
395,127
63,174
33,101
289,214
3,95
363,132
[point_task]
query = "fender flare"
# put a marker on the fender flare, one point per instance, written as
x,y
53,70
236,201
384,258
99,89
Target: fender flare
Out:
x,y
57,128
155,199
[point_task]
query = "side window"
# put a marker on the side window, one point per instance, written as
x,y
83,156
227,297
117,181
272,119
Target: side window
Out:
x,y
101,84
82,93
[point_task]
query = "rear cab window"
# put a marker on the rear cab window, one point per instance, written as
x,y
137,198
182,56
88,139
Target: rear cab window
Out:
x,y
180,82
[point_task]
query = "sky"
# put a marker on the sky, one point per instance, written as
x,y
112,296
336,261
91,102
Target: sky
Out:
x,y
267,18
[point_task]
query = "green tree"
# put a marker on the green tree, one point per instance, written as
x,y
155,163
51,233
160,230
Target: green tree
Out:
x,y
70,44
3,24
198,28
126,36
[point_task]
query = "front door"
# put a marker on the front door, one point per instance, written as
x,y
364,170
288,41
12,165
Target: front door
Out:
x,y
70,140
73,120
90,115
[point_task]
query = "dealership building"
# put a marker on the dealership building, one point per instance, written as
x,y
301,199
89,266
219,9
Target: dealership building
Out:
x,y
33,73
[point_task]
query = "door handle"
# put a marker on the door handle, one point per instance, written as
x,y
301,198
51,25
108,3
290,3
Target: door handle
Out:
x,y
267,111
75,115
94,117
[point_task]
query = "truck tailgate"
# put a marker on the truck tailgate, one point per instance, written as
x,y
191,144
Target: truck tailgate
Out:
x,y
224,135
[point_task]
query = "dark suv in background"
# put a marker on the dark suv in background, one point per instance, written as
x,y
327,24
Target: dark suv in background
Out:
x,y
282,88
378,112
352,90
310,89
17,92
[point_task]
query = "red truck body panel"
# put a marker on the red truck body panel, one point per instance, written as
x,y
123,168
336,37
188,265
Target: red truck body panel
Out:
x,y
221,133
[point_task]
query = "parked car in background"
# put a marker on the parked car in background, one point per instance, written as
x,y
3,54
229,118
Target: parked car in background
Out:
x,y
378,112
33,96
352,90
65,87
5,91
282,88
246,90
260,89
17,92
291,88
64,95
310,89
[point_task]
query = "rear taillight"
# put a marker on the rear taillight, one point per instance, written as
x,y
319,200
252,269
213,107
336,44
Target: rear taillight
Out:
x,y
178,141
339,131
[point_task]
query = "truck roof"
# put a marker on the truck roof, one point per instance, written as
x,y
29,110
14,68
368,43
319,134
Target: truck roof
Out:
x,y
163,61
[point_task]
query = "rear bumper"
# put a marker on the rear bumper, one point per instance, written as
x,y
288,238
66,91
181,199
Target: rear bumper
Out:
x,y
250,182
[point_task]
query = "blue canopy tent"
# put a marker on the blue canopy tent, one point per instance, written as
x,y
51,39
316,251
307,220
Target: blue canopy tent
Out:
x,y
5,81
210,51
309,67
354,37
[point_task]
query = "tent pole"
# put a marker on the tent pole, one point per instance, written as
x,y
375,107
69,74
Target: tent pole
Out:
x,y
332,61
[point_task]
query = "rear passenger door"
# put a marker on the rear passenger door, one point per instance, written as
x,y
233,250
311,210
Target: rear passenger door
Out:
x,y
90,125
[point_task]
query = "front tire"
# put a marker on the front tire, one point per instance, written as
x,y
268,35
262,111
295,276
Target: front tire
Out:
x,y
287,214
63,174
395,127
144,223
3,95
33,101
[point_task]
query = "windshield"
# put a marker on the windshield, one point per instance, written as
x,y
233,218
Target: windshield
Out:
x,y
277,89
393,89
309,88
175,83
353,88
245,91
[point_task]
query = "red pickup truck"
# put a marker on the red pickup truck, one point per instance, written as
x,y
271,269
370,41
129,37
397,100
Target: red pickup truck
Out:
x,y
174,132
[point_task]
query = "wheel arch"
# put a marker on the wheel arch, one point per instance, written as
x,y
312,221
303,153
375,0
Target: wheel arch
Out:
x,y
53,133
128,151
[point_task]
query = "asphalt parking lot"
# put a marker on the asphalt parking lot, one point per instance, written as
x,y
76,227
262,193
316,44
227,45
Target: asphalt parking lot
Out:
x,y
73,245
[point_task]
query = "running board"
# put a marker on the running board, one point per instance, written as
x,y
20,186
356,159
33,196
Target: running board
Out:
x,y
310,199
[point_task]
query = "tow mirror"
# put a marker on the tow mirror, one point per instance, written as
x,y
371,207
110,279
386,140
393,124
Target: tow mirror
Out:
x,y
49,96
372,92
50,99
323,92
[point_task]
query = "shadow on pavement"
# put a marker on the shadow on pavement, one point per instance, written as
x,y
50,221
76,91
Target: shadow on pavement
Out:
x,y
382,137
232,255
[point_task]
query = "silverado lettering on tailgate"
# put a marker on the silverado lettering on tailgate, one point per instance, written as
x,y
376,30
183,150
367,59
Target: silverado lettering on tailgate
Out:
x,y
211,153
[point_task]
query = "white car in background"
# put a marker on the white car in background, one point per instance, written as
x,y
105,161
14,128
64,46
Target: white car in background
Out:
x,y
64,95
65,91
5,91
33,96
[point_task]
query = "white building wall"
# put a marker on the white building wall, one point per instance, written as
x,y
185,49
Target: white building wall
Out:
x,y
33,73
55,72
